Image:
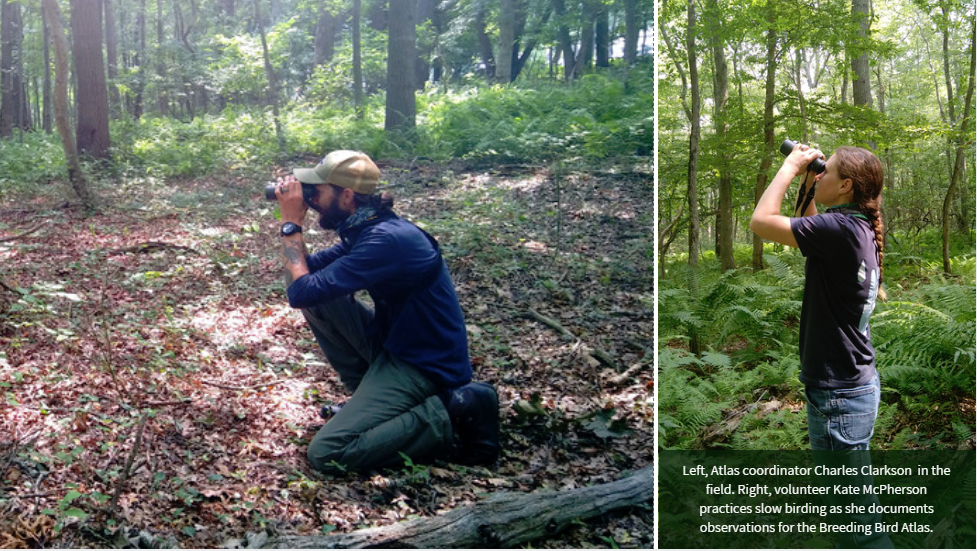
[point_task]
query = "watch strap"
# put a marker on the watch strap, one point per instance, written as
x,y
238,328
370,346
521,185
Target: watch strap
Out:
x,y
290,228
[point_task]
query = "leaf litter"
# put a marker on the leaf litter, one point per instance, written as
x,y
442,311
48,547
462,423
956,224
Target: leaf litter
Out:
x,y
152,310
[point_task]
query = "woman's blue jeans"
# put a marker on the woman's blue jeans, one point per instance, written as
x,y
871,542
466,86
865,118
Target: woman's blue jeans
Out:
x,y
843,419
841,423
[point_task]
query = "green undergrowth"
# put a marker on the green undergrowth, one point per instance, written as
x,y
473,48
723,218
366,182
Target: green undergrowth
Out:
x,y
593,119
742,392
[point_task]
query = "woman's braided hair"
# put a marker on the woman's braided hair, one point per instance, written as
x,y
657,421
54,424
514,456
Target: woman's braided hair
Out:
x,y
865,171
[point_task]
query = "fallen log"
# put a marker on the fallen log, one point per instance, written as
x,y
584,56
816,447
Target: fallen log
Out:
x,y
506,519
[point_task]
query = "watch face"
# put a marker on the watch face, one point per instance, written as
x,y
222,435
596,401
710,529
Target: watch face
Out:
x,y
290,228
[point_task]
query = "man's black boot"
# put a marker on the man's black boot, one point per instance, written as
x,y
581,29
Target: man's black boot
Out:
x,y
474,412
329,411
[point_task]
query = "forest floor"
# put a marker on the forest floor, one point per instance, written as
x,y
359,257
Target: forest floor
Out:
x,y
158,390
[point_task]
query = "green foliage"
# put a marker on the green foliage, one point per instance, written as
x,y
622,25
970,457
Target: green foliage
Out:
x,y
686,403
924,338
330,85
926,342
30,159
595,118
164,147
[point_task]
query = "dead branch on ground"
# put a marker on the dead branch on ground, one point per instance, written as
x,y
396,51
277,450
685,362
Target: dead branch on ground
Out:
x,y
588,352
504,520
22,234
149,247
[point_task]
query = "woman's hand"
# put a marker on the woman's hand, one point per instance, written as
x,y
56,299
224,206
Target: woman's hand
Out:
x,y
800,158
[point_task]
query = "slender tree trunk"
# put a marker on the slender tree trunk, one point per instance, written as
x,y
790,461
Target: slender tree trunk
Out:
x,y
844,81
768,130
325,35
426,14
52,14
272,81
959,165
14,111
47,93
724,229
695,345
694,136
137,107
484,45
401,105
630,32
162,101
91,96
862,86
585,56
507,39
566,44
112,58
602,37
520,61
357,59
798,84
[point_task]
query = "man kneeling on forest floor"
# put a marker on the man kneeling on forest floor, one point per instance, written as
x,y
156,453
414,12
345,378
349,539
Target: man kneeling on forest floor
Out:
x,y
404,361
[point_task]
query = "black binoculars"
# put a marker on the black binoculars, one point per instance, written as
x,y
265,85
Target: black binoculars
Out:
x,y
817,166
308,192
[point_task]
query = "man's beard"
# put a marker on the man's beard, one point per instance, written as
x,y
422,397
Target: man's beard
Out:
x,y
332,217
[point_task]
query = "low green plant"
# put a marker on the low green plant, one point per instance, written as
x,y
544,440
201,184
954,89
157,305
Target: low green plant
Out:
x,y
924,338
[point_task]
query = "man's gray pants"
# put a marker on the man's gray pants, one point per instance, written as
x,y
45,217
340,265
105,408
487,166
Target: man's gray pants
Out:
x,y
393,409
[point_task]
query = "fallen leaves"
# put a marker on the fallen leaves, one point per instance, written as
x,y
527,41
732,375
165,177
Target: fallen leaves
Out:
x,y
231,379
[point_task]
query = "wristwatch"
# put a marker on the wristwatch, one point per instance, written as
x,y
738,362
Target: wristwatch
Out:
x,y
290,228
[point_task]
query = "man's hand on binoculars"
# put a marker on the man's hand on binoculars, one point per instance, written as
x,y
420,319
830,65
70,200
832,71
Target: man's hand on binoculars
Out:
x,y
290,199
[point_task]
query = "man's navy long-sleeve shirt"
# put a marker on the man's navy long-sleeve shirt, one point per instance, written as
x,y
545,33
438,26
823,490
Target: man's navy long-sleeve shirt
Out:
x,y
420,320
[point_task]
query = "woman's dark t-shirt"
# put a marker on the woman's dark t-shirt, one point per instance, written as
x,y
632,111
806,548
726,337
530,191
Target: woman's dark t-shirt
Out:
x,y
841,283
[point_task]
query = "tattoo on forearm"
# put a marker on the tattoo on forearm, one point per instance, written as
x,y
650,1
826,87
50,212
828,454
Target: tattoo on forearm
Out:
x,y
294,255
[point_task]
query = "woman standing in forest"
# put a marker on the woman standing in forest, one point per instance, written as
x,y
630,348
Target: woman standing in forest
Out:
x,y
843,274
843,247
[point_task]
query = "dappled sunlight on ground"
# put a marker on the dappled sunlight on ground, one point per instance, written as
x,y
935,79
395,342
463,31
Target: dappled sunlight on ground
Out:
x,y
166,318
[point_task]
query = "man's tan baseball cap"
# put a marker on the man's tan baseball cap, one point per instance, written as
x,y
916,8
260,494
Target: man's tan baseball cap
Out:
x,y
348,169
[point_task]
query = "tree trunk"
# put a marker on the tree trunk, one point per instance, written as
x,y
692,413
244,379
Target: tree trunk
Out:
x,y
137,107
52,14
47,93
695,346
112,58
162,101
520,61
602,37
357,59
694,135
566,44
325,35
425,14
14,111
484,44
798,84
585,57
724,229
401,105
504,520
862,85
507,39
272,81
768,130
630,32
91,96
966,133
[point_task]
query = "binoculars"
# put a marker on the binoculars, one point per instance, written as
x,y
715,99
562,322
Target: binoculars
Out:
x,y
308,192
817,166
